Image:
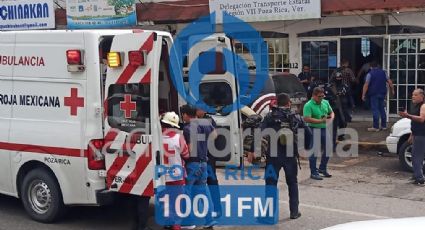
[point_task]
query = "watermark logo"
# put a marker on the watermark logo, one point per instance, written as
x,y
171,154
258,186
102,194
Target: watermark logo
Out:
x,y
238,31
235,205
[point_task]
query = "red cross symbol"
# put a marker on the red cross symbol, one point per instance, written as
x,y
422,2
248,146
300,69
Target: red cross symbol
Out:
x,y
74,101
127,106
168,152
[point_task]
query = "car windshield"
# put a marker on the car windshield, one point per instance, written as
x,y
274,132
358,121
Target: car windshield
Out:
x,y
288,84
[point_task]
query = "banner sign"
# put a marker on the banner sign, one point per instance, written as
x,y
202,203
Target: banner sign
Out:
x,y
266,10
26,15
97,14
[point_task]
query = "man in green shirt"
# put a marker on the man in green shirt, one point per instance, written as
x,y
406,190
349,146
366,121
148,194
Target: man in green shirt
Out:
x,y
318,114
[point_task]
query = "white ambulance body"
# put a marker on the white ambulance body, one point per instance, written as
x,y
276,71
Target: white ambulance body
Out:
x,y
63,127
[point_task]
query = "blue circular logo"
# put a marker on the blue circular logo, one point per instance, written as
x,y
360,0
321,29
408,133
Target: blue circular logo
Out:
x,y
249,80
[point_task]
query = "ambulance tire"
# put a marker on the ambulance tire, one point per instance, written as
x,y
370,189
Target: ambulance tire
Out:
x,y
41,196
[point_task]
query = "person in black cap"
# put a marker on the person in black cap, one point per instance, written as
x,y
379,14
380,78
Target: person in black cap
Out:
x,y
281,117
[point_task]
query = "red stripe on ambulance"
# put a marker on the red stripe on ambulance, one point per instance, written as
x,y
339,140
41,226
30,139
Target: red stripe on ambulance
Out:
x,y
43,149
147,78
129,69
149,191
141,165
116,166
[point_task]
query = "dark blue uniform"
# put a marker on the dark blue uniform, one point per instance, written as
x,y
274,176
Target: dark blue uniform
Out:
x,y
277,119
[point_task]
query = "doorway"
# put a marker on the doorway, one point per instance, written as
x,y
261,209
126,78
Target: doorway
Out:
x,y
360,52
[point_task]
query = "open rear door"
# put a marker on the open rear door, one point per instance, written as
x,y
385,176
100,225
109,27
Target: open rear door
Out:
x,y
131,136
218,88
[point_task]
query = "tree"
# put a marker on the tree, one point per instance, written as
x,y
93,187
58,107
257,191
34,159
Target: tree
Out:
x,y
119,4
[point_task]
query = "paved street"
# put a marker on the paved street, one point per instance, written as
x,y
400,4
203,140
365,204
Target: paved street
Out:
x,y
368,187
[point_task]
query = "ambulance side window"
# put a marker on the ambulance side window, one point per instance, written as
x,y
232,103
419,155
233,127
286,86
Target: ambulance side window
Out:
x,y
216,94
129,106
212,63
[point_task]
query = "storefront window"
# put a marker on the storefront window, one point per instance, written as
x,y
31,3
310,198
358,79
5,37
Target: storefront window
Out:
x,y
321,56
278,50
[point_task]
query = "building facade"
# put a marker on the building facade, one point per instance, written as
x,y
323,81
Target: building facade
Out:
x,y
391,32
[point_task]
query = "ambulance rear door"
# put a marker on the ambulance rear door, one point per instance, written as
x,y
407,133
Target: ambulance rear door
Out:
x,y
218,89
132,135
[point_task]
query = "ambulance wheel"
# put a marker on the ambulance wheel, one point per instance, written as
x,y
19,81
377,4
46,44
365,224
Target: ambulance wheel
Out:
x,y
41,196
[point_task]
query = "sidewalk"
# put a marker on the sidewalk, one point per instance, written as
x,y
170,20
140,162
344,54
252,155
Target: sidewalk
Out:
x,y
370,140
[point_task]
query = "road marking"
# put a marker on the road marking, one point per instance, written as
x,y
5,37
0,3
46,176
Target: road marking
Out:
x,y
352,213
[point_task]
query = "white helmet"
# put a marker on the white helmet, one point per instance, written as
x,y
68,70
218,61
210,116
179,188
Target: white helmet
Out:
x,y
171,118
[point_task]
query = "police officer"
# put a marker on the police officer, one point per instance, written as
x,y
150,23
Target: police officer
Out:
x,y
337,95
343,92
278,118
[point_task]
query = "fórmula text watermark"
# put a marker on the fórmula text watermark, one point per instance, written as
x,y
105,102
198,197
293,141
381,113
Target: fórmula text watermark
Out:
x,y
299,143
231,172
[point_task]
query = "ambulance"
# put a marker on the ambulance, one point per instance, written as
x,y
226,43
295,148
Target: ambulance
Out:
x,y
79,116
218,88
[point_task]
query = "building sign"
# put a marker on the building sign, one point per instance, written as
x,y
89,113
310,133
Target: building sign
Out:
x,y
90,14
26,15
266,10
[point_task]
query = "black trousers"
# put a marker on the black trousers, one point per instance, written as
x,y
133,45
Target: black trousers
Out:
x,y
290,166
142,212
212,180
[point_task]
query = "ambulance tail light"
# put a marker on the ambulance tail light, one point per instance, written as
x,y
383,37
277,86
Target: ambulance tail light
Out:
x,y
95,157
74,57
114,59
75,60
137,58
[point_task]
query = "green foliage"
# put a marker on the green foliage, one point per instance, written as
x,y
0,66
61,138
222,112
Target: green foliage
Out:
x,y
120,3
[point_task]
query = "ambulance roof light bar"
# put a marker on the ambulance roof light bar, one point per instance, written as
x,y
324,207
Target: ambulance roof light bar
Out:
x,y
75,60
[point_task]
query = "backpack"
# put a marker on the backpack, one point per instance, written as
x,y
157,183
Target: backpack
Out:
x,y
280,121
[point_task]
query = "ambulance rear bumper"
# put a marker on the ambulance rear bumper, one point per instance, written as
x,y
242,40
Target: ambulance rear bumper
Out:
x,y
105,197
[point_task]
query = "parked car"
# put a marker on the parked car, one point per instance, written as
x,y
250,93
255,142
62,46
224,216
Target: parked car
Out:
x,y
275,84
387,224
397,142
278,83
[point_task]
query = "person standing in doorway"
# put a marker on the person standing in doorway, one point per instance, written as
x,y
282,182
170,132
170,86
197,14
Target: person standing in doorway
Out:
x,y
360,80
305,77
318,114
375,88
418,135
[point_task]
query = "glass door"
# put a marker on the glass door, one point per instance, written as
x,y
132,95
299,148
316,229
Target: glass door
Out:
x,y
322,55
406,67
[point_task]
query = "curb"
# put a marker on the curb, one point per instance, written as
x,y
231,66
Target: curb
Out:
x,y
369,145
